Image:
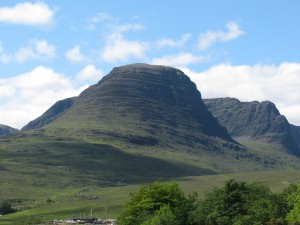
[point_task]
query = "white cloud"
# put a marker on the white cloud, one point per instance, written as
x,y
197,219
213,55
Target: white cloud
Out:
x,y
117,47
277,83
120,29
4,58
210,37
26,96
27,13
74,54
44,49
120,49
178,60
101,17
90,73
37,49
166,42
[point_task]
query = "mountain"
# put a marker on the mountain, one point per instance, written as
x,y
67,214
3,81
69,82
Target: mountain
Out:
x,y
139,123
138,104
254,120
4,130
58,109
296,134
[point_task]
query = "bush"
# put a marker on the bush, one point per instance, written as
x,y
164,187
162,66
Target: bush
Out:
x,y
6,208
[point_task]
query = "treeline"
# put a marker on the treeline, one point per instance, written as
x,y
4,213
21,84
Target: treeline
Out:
x,y
237,203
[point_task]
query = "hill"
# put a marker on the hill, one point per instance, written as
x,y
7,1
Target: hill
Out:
x,y
5,130
139,104
254,120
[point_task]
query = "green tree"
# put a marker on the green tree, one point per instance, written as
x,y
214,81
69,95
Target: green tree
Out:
x,y
156,201
294,215
164,216
240,203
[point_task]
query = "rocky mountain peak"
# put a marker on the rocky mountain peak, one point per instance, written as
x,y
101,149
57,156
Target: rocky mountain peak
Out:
x,y
256,120
142,102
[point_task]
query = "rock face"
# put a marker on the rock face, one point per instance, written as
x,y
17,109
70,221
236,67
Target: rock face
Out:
x,y
296,134
256,120
57,110
5,130
143,104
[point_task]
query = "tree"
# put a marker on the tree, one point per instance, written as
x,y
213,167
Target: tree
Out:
x,y
294,215
163,216
240,203
156,202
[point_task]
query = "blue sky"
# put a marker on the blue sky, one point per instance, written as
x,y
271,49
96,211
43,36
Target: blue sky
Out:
x,y
50,50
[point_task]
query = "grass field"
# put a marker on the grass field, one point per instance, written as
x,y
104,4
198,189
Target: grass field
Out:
x,y
107,202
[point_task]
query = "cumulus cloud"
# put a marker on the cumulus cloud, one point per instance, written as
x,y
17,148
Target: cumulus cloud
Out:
x,y
167,42
27,13
178,60
90,73
210,37
277,83
74,54
27,96
37,49
118,48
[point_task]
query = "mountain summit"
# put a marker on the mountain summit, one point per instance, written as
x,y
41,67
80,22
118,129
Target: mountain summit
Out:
x,y
141,104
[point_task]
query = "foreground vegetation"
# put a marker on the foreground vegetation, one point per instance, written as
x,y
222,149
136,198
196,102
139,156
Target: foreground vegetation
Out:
x,y
34,205
236,203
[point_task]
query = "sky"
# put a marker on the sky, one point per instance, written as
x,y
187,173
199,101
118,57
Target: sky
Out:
x,y
53,49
